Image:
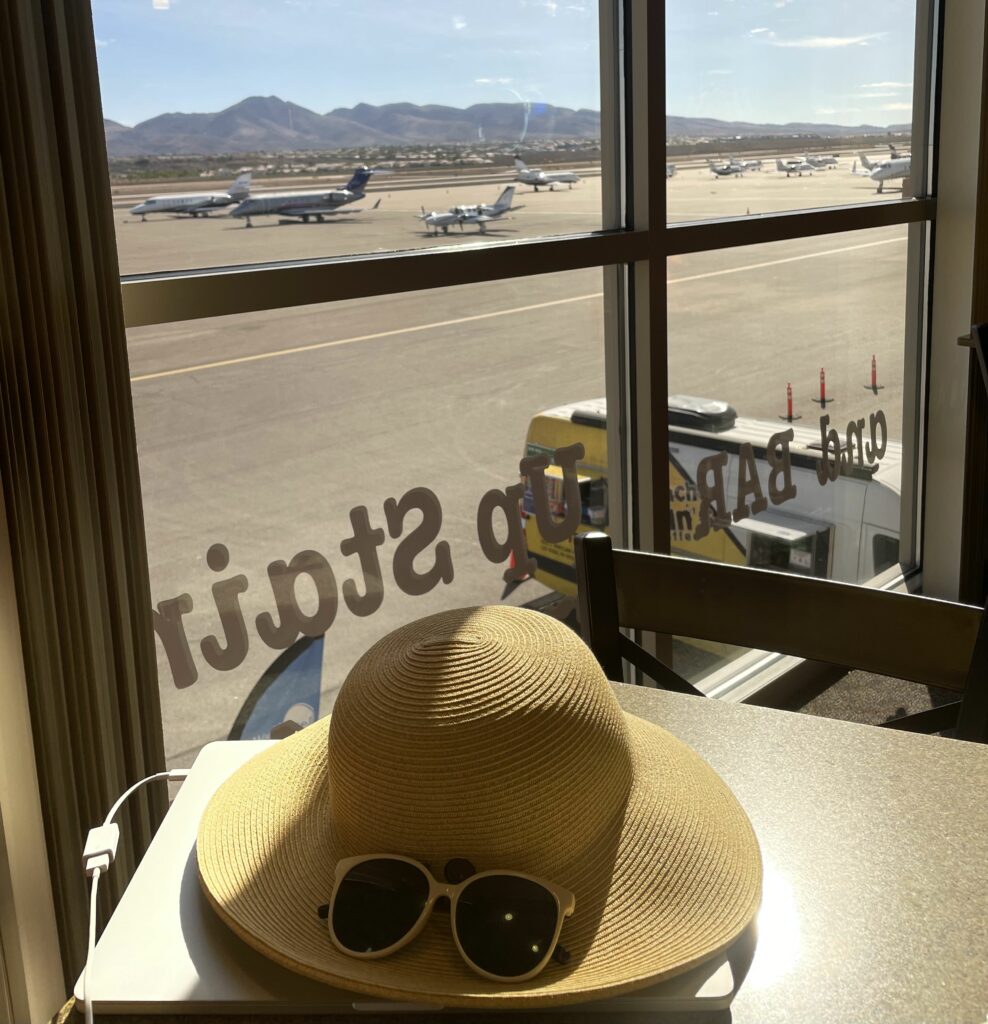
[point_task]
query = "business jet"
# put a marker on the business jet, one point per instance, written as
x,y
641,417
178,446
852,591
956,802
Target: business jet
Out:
x,y
791,167
480,214
307,205
897,168
820,162
536,177
195,204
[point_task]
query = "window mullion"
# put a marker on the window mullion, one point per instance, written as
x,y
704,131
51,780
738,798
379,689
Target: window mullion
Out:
x,y
167,298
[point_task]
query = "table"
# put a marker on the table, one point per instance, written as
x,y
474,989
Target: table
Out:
x,y
875,845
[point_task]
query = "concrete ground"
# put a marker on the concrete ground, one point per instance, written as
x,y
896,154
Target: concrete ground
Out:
x,y
262,432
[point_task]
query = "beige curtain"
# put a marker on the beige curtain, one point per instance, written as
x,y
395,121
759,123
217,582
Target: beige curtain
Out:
x,y
68,461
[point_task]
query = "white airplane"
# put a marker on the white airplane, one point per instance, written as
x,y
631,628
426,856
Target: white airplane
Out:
x,y
821,161
195,204
536,177
791,167
885,170
734,167
670,170
480,214
307,205
731,169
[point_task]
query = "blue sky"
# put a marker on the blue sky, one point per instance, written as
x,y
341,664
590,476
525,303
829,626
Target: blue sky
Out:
x,y
759,60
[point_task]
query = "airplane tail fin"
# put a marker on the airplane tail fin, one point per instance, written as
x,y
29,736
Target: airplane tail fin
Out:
x,y
854,167
520,164
866,163
240,189
360,178
504,199
779,164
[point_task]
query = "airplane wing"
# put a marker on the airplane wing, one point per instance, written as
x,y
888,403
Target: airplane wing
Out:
x,y
319,211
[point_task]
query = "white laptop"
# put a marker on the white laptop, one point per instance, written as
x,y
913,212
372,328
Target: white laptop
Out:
x,y
164,950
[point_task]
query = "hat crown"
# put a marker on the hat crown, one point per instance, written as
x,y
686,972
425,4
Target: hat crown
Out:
x,y
486,733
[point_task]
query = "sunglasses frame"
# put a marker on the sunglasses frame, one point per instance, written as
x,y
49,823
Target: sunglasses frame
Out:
x,y
565,905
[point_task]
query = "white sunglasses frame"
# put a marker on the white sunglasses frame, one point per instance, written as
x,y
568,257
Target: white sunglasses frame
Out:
x,y
565,905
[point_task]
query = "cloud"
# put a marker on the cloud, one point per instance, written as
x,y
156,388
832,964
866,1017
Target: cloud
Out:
x,y
720,71
713,14
897,106
887,85
493,81
757,31
459,23
100,43
826,42
161,5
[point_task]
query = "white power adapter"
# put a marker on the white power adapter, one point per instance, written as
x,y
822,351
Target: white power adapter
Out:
x,y
98,855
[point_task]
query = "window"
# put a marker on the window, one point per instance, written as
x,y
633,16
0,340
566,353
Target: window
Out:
x,y
289,376
820,96
330,131
335,470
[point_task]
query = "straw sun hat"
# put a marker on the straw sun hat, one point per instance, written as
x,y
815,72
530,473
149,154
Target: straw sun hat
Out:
x,y
489,734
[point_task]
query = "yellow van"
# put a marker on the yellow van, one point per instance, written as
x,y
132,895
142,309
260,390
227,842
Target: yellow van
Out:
x,y
847,531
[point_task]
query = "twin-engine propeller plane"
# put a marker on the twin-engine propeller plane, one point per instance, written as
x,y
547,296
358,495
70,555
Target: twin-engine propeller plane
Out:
x,y
797,167
480,214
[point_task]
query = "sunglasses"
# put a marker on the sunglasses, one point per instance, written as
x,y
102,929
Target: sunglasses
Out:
x,y
505,924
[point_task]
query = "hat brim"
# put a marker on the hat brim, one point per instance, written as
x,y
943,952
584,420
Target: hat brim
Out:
x,y
674,883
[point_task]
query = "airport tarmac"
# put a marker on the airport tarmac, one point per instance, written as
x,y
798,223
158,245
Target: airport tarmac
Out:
x,y
262,432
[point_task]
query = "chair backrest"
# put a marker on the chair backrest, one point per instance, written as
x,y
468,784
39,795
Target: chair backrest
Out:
x,y
926,640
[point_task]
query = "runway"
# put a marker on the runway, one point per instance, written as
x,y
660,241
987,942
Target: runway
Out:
x,y
262,432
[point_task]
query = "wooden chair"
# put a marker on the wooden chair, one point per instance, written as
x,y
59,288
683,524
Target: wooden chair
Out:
x,y
937,643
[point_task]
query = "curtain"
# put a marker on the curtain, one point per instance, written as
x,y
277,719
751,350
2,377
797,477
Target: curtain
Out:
x,y
68,458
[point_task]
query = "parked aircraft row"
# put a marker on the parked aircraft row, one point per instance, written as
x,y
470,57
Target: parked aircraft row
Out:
x,y
896,168
306,205
479,214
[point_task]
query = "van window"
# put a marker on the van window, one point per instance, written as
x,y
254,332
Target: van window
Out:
x,y
593,497
884,551
808,555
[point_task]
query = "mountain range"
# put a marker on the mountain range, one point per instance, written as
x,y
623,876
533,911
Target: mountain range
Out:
x,y
270,124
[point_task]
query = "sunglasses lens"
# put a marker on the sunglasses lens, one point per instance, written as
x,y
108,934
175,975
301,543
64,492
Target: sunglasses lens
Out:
x,y
377,903
506,924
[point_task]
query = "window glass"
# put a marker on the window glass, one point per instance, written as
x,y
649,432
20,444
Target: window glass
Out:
x,y
296,464
787,369
329,129
785,105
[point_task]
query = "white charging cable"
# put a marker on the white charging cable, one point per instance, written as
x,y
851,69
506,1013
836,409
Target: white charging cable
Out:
x,y
98,855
